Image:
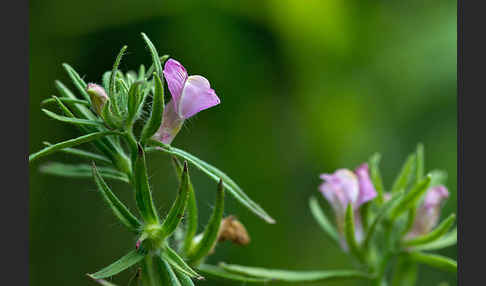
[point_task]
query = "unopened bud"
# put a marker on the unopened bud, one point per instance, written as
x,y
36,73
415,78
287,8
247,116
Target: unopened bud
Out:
x,y
98,96
233,230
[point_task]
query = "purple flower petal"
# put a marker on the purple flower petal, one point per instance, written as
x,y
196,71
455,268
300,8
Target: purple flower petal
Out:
x,y
340,189
171,124
367,191
197,95
175,75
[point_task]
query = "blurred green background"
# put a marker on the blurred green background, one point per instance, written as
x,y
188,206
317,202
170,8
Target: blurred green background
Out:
x,y
306,87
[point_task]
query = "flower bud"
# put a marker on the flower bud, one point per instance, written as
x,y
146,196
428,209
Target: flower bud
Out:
x,y
233,230
98,97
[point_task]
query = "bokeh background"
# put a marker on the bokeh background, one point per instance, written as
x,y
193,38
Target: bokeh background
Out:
x,y
306,87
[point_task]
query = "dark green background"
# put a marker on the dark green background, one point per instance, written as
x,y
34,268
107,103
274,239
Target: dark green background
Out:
x,y
306,87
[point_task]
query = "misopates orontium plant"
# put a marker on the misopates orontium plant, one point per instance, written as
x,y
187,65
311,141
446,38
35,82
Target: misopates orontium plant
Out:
x,y
388,234
123,119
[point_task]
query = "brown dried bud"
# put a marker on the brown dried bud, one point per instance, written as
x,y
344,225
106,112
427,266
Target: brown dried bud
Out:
x,y
233,230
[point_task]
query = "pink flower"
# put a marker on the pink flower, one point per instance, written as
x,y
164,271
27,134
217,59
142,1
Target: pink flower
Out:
x,y
98,96
190,95
346,187
428,212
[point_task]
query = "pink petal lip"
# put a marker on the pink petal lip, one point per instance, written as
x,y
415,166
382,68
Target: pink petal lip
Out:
x,y
197,95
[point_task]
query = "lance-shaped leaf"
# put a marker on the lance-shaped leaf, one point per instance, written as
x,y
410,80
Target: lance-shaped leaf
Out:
x,y
143,195
77,81
178,263
71,120
295,276
210,235
148,273
165,272
111,92
118,266
375,175
191,218
155,119
152,67
218,272
447,240
184,279
67,100
405,174
118,208
435,260
81,171
349,233
216,175
379,217
79,109
155,55
435,234
70,143
177,210
83,154
102,282
411,198
420,167
322,220
135,100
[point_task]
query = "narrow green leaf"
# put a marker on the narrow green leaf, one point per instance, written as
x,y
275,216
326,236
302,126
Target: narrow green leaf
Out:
x,y
70,143
134,100
191,217
151,68
118,266
118,208
411,198
178,263
83,154
71,120
77,81
155,55
184,279
80,109
435,260
143,195
148,274
405,272
322,220
141,73
166,274
435,234
218,272
349,233
81,171
177,210
155,119
210,234
447,240
216,174
111,91
295,276
383,211
420,163
375,175
405,174
66,100
412,213
102,281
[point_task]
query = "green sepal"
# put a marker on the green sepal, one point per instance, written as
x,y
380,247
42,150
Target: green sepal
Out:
x,y
322,220
191,216
382,212
71,120
435,260
141,73
210,234
155,119
447,240
439,177
135,101
216,175
165,273
176,213
433,235
81,171
118,266
295,276
70,143
375,176
218,272
349,233
111,91
411,198
405,174
143,195
151,68
118,208
178,262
